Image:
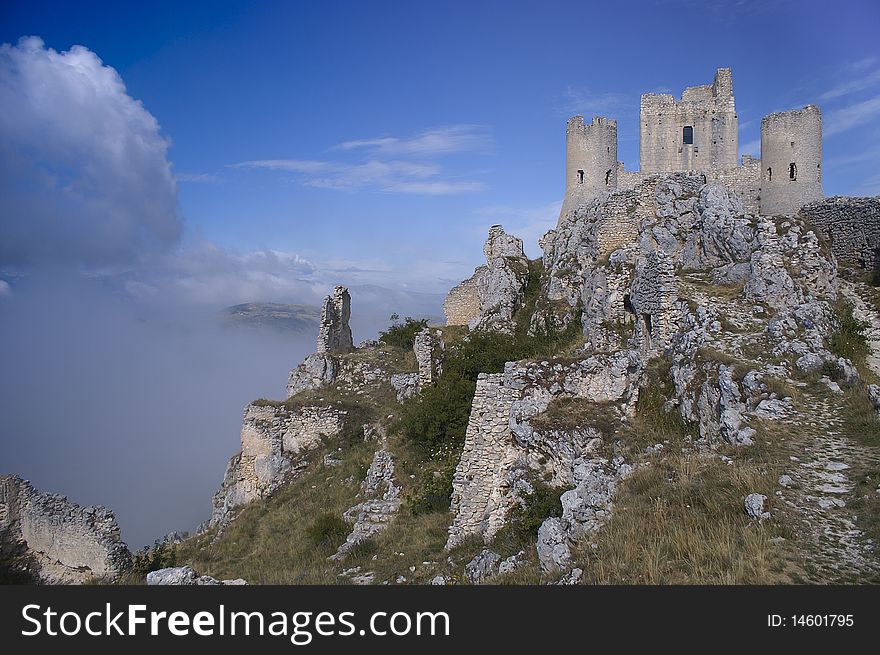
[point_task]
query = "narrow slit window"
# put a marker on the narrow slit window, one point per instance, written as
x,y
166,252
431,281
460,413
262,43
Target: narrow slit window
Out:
x,y
580,177
818,172
687,134
769,174
792,171
608,177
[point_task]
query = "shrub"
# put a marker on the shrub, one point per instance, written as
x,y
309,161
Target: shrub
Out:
x,y
403,335
848,339
327,530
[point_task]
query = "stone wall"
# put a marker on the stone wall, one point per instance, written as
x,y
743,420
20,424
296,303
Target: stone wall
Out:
x,y
791,160
334,333
711,113
744,181
501,446
462,303
428,348
853,227
66,543
273,440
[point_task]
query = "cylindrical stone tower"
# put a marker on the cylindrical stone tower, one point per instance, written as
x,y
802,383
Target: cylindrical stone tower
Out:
x,y
590,160
791,160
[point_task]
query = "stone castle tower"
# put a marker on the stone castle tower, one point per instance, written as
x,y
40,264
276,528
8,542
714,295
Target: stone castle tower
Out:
x,y
699,133
791,160
590,160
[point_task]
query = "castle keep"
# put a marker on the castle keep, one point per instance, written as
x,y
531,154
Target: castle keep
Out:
x,y
699,134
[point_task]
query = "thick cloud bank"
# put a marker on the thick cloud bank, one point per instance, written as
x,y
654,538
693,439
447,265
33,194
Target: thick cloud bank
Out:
x,y
84,178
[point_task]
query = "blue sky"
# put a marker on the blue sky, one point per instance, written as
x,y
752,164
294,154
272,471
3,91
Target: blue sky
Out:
x,y
376,142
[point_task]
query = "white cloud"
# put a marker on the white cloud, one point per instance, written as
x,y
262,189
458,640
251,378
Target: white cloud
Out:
x,y
391,176
84,178
5,289
429,143
845,118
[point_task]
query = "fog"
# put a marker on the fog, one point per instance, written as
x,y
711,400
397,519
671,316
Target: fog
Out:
x,y
133,407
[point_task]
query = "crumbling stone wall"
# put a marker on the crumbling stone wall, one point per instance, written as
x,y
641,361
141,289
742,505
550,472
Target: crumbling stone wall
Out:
x,y
709,111
853,227
499,286
334,333
462,303
744,181
428,348
66,543
273,440
501,446
653,297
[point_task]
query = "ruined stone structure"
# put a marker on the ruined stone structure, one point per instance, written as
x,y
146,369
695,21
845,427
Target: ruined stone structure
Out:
x,y
56,540
489,299
590,160
791,160
502,448
428,348
334,333
853,227
698,133
274,440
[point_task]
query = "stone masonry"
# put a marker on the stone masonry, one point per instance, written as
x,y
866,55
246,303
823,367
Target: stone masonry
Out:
x,y
853,227
65,542
334,333
274,440
428,348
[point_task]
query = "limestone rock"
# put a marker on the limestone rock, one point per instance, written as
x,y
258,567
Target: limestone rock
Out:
x,y
483,566
381,504
756,506
316,371
274,440
406,385
185,576
554,553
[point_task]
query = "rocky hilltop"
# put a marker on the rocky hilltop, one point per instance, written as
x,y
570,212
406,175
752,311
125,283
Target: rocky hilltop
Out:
x,y
679,390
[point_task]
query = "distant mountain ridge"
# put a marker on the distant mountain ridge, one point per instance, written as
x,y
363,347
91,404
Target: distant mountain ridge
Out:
x,y
278,316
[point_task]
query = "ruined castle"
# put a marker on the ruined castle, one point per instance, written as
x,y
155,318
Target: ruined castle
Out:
x,y
699,134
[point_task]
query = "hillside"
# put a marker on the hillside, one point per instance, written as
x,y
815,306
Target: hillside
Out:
x,y
697,405
278,316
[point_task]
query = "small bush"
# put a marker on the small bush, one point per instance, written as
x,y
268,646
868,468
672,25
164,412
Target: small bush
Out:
x,y
848,339
403,335
328,530
435,490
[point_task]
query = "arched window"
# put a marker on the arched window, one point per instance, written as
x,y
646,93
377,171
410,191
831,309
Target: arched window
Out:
x,y
792,171
580,177
687,134
769,174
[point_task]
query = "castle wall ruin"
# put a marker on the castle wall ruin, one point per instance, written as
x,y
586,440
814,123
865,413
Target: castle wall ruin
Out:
x,y
852,225
791,160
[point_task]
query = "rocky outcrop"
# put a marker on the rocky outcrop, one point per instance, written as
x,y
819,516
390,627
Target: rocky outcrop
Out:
x,y
316,371
185,576
58,541
499,286
274,441
334,336
382,501
406,385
